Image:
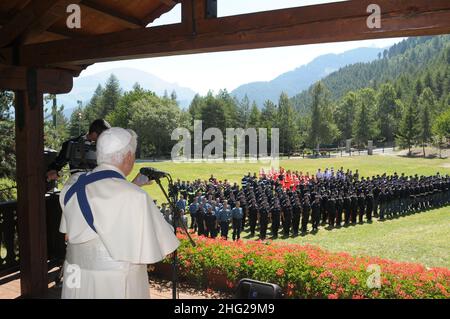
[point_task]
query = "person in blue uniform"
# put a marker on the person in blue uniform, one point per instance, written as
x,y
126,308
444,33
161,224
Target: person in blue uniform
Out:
x,y
237,214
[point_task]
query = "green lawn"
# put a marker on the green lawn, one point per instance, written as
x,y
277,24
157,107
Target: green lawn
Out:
x,y
422,237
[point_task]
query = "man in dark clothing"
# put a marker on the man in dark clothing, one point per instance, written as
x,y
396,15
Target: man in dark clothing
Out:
x,y
263,220
316,213
347,209
253,216
369,206
306,212
339,208
95,129
353,208
361,206
275,216
286,217
331,211
210,221
296,212
200,217
237,221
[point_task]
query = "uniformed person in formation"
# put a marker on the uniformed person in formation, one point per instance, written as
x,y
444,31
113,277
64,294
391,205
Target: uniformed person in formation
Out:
x,y
306,212
224,218
275,217
263,220
210,223
253,216
315,207
237,220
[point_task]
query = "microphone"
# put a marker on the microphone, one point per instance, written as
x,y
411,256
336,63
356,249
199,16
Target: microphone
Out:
x,y
152,173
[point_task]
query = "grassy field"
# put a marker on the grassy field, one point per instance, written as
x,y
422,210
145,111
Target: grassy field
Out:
x,y
423,237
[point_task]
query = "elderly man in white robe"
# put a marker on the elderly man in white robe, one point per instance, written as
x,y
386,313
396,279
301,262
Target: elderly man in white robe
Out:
x,y
113,227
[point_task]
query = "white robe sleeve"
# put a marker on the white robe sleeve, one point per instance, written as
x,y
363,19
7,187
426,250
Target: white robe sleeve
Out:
x,y
134,230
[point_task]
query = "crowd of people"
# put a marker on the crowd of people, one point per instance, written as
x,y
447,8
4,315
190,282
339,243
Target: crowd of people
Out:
x,y
288,202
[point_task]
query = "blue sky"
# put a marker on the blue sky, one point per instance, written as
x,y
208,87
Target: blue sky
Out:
x,y
215,71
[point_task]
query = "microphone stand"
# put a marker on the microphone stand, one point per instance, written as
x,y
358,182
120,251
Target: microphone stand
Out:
x,y
176,216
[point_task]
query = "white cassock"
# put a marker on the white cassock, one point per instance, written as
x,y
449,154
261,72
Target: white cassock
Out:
x,y
131,233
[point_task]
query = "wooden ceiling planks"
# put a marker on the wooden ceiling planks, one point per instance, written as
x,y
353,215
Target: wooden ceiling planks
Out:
x,y
330,22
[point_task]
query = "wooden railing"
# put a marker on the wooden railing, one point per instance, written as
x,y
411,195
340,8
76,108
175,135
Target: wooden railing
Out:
x,y
9,238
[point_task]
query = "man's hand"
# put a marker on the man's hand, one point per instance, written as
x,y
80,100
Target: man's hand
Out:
x,y
141,180
52,175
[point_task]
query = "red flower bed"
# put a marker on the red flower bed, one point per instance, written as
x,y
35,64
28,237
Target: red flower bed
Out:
x,y
305,271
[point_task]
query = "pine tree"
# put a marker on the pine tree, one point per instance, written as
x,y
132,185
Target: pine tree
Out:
x,y
345,115
111,96
364,123
387,113
408,129
268,115
287,125
255,116
323,129
426,107
244,112
94,108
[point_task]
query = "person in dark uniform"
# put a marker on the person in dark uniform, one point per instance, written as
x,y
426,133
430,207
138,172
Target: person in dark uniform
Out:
x,y
315,207
347,209
339,209
200,218
193,207
353,208
237,220
286,216
323,207
253,216
275,216
331,208
224,218
210,222
369,206
296,213
306,212
361,206
95,129
263,220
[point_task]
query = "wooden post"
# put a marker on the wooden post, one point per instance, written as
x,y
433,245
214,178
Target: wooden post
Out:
x,y
31,189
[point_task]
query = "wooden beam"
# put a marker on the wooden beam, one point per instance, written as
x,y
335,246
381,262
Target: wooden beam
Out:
x,y
331,22
168,2
31,213
124,20
47,20
51,81
26,17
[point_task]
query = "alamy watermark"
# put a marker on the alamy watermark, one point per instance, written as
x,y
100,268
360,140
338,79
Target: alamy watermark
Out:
x,y
73,21
234,142
374,279
374,19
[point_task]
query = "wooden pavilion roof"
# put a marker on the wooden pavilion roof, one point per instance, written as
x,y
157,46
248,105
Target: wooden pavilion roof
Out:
x,y
26,22
34,32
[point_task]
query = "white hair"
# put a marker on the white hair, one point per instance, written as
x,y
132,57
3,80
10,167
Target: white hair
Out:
x,y
117,157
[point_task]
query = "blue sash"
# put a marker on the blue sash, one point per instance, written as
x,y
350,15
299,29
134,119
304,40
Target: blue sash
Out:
x,y
79,188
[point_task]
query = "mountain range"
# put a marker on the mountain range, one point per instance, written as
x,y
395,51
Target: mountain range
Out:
x,y
292,82
301,78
